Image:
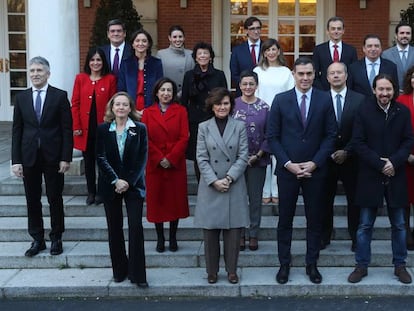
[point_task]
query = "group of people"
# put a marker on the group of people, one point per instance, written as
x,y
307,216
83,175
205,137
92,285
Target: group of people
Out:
x,y
139,117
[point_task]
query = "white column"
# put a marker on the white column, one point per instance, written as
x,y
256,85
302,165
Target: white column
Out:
x,y
53,32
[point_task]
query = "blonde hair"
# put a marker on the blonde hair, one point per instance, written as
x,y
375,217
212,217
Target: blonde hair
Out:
x,y
109,115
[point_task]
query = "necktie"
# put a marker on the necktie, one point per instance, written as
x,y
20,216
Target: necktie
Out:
x,y
404,59
303,109
338,108
335,54
115,67
253,54
38,105
372,74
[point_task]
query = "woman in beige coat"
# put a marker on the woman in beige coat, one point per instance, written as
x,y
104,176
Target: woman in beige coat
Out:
x,y
222,153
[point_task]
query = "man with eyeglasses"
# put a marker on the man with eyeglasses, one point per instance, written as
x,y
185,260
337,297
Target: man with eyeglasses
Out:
x,y
118,50
246,55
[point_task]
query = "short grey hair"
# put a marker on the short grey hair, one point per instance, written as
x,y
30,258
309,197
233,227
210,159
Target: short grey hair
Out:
x,y
41,61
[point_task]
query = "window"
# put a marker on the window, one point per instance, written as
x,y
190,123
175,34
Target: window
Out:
x,y
291,22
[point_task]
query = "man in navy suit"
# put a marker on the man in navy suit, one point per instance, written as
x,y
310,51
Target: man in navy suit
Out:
x,y
331,51
362,73
342,164
302,130
242,57
402,54
42,143
116,33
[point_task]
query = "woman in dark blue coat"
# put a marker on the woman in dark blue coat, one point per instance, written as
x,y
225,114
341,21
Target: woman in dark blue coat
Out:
x,y
138,74
121,149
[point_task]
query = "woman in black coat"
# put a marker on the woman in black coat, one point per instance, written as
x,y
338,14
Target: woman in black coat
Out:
x,y
121,149
197,84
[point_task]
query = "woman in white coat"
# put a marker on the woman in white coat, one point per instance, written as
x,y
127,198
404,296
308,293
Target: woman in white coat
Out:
x,y
222,204
274,78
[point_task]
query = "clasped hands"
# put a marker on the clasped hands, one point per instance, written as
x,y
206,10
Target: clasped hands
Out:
x,y
301,170
165,163
222,185
121,186
388,169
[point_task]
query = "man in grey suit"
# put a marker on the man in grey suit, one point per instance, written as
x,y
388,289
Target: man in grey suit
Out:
x,y
402,54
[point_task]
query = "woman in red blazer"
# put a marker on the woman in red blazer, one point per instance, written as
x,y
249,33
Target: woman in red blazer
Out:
x,y
92,90
407,99
166,172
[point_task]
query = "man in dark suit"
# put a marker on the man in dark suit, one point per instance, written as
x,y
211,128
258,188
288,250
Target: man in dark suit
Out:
x,y
302,130
246,55
42,144
402,54
331,51
382,138
342,164
116,33
362,72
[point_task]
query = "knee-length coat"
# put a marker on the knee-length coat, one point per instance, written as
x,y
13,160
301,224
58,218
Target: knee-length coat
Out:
x,y
218,156
166,188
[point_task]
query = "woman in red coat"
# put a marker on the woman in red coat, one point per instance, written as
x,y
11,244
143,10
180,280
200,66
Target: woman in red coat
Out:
x,y
166,172
92,90
408,100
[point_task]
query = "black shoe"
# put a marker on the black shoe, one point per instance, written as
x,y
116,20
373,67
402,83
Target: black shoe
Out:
x,y
324,244
56,248
353,247
314,275
119,279
173,247
90,199
160,246
283,275
142,285
98,200
35,248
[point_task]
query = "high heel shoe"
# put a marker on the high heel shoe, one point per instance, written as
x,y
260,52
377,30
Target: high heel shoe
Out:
x,y
173,247
160,246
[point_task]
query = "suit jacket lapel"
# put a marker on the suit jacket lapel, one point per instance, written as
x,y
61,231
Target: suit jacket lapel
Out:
x,y
228,131
217,137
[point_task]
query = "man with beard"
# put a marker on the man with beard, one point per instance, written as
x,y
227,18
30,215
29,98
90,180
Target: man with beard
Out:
x,y
382,139
402,54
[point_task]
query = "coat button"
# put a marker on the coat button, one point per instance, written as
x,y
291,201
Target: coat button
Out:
x,y
228,160
230,147
215,161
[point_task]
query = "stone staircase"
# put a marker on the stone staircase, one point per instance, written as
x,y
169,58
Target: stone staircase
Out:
x,y
84,267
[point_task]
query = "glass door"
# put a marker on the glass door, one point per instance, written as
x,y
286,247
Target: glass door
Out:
x,y
291,22
13,54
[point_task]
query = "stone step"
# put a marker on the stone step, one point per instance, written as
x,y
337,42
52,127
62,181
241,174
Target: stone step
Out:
x,y
74,185
84,254
15,206
97,283
14,229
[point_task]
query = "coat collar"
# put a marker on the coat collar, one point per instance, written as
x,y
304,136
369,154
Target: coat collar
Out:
x,y
222,141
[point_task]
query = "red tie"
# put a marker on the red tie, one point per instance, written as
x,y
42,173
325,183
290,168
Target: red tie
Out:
x,y
253,53
335,54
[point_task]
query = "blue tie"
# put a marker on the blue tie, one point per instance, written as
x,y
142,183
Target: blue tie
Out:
x,y
38,105
372,74
338,108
